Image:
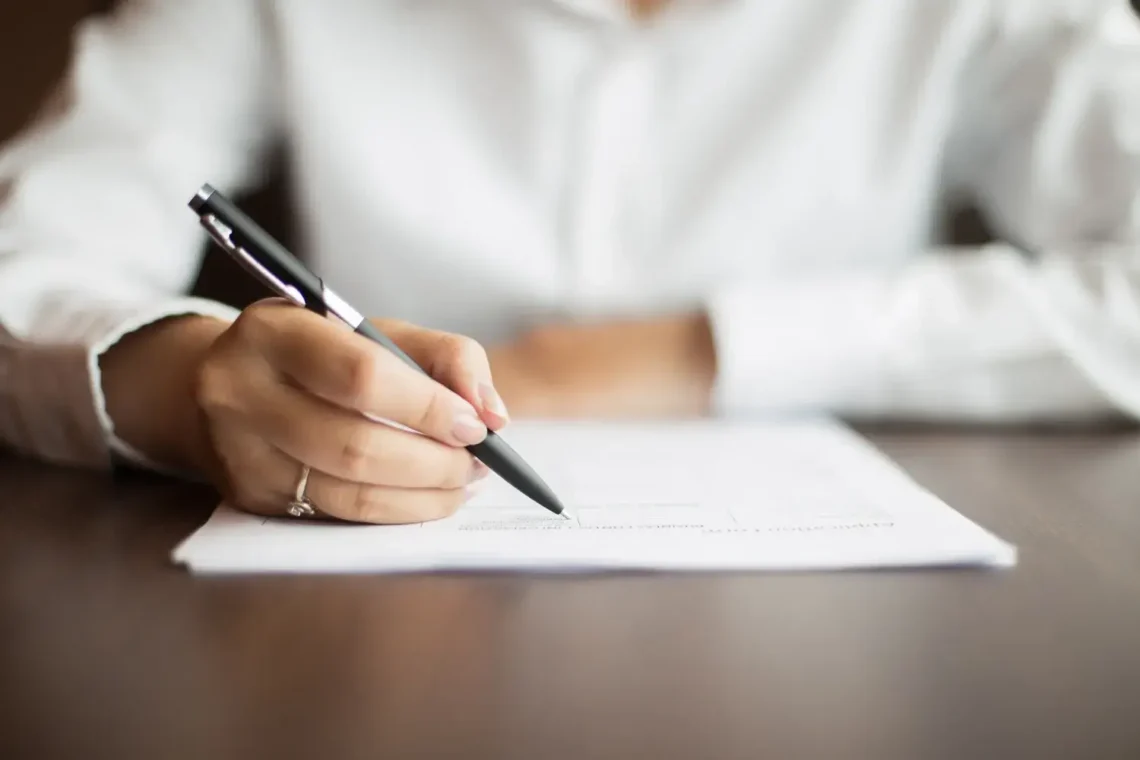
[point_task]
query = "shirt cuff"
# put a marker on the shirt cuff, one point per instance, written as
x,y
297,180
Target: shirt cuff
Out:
x,y
800,346
108,330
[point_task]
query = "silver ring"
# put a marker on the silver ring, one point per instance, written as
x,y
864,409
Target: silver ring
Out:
x,y
300,506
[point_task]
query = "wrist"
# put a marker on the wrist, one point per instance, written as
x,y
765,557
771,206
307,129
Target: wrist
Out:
x,y
148,380
669,367
698,358
664,367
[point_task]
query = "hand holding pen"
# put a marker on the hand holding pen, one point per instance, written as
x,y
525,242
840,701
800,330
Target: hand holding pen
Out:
x,y
287,392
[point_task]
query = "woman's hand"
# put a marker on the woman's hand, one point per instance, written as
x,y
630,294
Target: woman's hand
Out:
x,y
652,368
282,388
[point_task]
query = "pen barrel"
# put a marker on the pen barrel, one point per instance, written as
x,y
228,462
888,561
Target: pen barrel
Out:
x,y
368,330
505,462
248,234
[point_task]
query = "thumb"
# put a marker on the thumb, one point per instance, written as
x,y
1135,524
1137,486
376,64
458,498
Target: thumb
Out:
x,y
456,361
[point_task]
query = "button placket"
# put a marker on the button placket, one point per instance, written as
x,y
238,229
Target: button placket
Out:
x,y
607,212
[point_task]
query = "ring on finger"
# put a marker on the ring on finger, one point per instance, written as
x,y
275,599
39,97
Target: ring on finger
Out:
x,y
300,506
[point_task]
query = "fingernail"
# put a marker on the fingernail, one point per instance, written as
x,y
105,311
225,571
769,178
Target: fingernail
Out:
x,y
492,401
478,471
468,429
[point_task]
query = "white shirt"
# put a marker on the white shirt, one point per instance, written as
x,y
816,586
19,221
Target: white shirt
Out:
x,y
482,166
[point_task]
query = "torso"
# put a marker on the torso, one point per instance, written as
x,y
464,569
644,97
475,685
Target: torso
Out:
x,y
479,166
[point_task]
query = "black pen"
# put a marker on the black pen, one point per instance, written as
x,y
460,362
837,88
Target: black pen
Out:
x,y
268,261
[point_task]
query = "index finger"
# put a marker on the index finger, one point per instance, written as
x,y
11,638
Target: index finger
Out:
x,y
346,369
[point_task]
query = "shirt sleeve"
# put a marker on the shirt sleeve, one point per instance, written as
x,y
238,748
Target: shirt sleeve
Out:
x,y
1045,327
95,236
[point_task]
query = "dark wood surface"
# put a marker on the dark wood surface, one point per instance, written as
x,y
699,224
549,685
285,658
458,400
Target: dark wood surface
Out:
x,y
106,651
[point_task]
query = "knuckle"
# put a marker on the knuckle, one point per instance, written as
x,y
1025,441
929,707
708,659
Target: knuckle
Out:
x,y
360,373
358,457
214,386
453,470
254,323
367,505
436,412
463,350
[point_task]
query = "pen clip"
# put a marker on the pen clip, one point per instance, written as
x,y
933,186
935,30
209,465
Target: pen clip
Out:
x,y
222,236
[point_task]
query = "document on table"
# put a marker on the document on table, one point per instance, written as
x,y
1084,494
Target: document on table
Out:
x,y
708,495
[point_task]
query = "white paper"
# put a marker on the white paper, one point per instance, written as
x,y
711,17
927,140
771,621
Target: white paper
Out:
x,y
803,495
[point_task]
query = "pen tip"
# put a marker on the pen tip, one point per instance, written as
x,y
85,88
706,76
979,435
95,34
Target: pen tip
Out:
x,y
565,515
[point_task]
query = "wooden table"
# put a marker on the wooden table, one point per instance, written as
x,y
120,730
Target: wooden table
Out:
x,y
106,651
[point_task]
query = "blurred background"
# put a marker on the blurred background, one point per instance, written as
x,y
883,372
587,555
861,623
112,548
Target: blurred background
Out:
x,y
35,40
35,43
